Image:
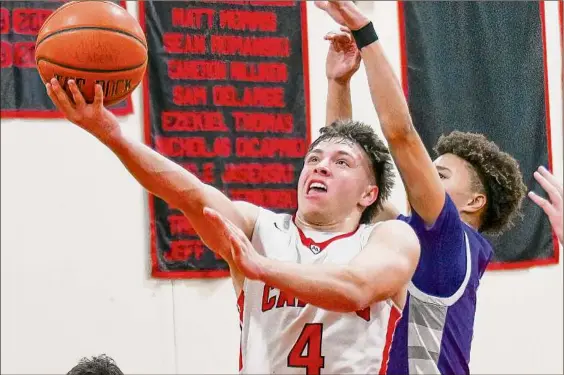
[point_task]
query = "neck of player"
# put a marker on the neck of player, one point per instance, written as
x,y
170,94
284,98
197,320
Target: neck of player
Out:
x,y
471,220
343,225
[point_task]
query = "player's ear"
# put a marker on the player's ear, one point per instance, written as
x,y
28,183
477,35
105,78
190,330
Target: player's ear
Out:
x,y
369,196
476,203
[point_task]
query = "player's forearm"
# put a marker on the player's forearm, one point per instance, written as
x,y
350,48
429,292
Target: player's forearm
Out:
x,y
386,92
339,105
425,191
179,188
159,175
330,287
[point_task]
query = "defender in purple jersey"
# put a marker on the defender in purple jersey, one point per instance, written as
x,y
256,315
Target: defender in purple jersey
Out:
x,y
472,187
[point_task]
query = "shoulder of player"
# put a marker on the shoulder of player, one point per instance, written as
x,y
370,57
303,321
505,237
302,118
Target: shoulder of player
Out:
x,y
394,235
247,208
250,213
253,215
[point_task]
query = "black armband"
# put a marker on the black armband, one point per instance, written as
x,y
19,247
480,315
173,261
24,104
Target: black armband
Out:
x,y
365,35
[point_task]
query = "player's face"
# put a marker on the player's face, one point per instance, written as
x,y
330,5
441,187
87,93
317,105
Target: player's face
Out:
x,y
456,178
336,181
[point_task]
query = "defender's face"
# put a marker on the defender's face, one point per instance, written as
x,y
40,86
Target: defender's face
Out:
x,y
456,178
334,181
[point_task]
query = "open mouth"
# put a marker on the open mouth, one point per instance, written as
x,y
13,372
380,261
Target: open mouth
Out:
x,y
316,187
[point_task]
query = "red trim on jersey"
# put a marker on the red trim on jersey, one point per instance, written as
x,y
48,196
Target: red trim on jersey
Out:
x,y
308,242
395,315
240,307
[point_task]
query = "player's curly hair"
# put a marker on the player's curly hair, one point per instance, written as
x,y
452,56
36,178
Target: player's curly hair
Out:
x,y
101,365
496,174
379,155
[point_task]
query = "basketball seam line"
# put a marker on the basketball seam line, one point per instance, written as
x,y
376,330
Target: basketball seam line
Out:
x,y
90,70
68,5
91,28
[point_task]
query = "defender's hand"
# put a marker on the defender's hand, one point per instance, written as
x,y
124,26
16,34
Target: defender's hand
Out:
x,y
553,208
94,118
244,255
343,58
345,13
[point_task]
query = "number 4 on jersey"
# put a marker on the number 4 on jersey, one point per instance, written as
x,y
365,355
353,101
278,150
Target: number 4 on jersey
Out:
x,y
308,342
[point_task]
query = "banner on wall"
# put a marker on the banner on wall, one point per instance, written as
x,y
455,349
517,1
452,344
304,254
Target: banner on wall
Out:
x,y
226,97
23,93
482,71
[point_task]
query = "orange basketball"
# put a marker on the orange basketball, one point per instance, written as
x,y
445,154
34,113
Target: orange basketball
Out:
x,y
93,42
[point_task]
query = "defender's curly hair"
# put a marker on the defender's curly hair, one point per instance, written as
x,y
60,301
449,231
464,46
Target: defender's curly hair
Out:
x,y
498,176
101,365
379,155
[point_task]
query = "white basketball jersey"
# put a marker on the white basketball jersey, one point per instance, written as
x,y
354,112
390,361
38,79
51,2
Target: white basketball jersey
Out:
x,y
283,335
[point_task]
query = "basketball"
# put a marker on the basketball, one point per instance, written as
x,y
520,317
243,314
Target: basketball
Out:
x,y
93,42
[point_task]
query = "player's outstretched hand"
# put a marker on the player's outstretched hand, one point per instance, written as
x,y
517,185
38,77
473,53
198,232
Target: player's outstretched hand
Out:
x,y
94,118
244,255
343,57
345,13
553,208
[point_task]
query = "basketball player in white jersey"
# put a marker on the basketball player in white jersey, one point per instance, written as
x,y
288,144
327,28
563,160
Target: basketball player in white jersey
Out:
x,y
320,291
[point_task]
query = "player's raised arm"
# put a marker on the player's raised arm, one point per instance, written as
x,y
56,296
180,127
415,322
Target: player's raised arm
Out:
x,y
343,60
157,174
425,192
379,272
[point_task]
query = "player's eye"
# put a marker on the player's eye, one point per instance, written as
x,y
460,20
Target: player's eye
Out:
x,y
342,162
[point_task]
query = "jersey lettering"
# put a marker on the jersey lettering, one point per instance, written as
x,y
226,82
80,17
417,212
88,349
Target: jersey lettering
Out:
x,y
282,299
